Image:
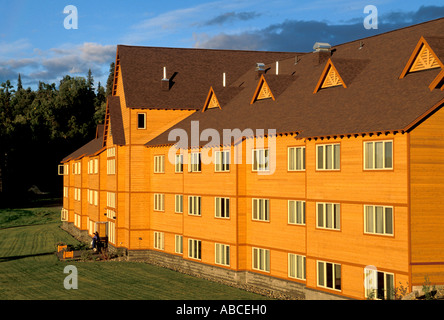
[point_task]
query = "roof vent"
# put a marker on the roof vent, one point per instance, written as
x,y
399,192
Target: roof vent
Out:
x,y
165,83
321,46
260,69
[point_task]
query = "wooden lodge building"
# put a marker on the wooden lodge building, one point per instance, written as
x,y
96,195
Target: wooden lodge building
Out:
x,y
331,184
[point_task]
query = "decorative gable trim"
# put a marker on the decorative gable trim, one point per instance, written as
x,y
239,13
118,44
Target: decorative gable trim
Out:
x,y
422,58
438,82
211,101
262,91
330,77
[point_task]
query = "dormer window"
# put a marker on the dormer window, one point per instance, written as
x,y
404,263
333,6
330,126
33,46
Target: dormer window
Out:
x,y
329,78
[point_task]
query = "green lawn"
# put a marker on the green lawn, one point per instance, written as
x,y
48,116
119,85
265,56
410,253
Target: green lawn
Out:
x,y
29,269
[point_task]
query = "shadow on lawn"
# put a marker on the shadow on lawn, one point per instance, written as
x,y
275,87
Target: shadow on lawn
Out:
x,y
11,258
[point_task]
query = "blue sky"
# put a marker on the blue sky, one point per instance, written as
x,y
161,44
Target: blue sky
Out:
x,y
35,43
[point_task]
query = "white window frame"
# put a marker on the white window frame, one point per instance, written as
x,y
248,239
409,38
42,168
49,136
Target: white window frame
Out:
x,y
178,244
159,202
260,159
178,203
195,162
296,266
386,211
222,160
260,209
296,212
111,166
194,205
222,254
159,164
144,120
371,284
335,216
159,240
222,207
178,165
328,164
111,200
195,249
260,259
373,165
296,158
325,275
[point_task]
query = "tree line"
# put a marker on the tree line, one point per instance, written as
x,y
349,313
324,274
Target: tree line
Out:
x,y
38,128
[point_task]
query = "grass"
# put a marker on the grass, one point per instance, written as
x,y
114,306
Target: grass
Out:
x,y
30,270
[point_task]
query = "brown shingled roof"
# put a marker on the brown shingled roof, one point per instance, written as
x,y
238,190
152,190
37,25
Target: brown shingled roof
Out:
x,y
375,99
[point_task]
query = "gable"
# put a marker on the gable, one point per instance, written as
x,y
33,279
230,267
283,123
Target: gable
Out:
x,y
211,101
262,91
422,58
329,78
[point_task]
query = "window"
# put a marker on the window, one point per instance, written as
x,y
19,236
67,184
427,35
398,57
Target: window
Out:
x,y
378,220
141,121
112,232
261,259
261,209
194,249
329,275
111,152
96,165
93,166
111,166
62,170
77,194
379,285
111,199
378,155
328,216
260,160
222,207
296,266
296,158
296,212
194,165
159,166
178,246
178,166
159,202
222,161
65,192
328,157
64,215
178,203
194,205
159,240
222,254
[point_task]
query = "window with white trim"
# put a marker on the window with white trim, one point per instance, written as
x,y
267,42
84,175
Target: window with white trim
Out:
x,y
194,249
222,161
329,275
194,162
159,240
159,202
141,121
65,192
178,245
378,220
261,259
328,156
221,207
111,199
379,285
159,164
261,209
378,155
178,165
296,158
296,266
296,212
260,159
111,166
178,203
194,205
222,254
328,216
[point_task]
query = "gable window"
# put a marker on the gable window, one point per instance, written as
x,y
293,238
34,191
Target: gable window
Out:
x,y
222,207
260,160
141,121
222,161
328,157
378,220
328,216
296,212
378,155
296,158
159,166
329,275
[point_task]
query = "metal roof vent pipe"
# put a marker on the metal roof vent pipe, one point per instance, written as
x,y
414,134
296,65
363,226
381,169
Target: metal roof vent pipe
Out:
x,y
260,69
165,82
322,52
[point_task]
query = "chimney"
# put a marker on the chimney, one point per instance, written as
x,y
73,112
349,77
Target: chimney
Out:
x,y
165,83
260,69
322,52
